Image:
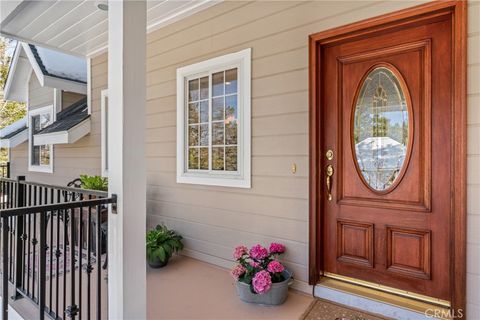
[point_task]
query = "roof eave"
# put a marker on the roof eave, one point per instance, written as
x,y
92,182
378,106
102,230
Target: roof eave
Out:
x,y
14,141
52,81
67,85
69,136
11,71
17,90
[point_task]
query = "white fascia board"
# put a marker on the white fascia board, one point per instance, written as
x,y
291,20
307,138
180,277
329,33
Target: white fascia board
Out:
x,y
60,137
11,71
19,138
66,85
14,126
17,79
69,136
14,141
53,82
33,61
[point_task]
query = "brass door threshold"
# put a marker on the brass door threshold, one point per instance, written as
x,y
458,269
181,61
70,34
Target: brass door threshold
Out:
x,y
409,301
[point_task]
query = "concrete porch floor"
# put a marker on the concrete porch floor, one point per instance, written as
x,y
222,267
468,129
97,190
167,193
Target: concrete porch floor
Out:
x,y
190,289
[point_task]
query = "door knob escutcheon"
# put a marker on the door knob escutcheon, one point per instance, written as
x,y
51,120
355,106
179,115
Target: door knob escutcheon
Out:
x,y
329,174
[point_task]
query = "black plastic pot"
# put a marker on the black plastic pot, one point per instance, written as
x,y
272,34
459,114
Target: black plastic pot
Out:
x,y
157,264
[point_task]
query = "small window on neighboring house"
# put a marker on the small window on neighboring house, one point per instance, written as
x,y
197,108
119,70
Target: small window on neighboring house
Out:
x,y
40,157
104,122
213,121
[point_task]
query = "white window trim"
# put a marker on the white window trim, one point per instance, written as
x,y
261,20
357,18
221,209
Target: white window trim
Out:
x,y
104,133
242,179
39,168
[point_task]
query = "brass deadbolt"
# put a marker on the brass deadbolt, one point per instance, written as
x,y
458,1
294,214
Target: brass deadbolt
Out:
x,y
329,154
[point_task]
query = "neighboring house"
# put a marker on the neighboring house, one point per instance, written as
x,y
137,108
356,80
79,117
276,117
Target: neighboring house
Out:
x,y
54,87
231,149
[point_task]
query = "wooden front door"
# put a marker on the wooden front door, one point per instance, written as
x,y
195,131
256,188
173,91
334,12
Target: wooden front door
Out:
x,y
385,140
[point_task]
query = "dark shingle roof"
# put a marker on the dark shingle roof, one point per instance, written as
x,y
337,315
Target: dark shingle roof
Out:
x,y
66,75
69,117
14,133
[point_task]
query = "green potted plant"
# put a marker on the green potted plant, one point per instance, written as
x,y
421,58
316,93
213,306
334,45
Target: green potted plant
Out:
x,y
97,183
94,182
162,243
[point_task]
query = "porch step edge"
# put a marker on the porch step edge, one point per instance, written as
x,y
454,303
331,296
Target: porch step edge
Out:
x,y
369,305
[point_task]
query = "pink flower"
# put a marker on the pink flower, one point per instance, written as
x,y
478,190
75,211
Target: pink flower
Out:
x,y
275,267
239,252
254,264
262,282
258,252
238,271
277,248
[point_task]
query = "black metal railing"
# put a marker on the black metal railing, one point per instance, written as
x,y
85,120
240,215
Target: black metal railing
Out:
x,y
5,170
53,248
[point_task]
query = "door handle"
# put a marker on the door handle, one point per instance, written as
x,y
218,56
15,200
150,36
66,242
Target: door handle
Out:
x,y
329,181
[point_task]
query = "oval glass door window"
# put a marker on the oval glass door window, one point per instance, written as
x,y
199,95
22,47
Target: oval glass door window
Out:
x,y
381,129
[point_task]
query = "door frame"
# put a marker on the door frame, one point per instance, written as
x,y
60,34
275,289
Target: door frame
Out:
x,y
364,28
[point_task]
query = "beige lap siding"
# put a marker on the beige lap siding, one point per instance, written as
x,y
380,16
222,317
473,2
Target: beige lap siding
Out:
x,y
70,160
68,98
215,219
473,163
38,96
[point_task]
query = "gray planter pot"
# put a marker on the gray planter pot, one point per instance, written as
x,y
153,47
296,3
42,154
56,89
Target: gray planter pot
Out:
x,y
275,296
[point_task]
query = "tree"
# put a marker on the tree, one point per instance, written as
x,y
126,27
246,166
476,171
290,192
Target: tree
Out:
x,y
10,111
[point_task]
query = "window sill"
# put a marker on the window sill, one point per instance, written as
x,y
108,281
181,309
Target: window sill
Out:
x,y
43,169
215,181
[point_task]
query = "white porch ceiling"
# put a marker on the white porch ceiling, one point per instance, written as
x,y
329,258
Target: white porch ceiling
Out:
x,y
79,27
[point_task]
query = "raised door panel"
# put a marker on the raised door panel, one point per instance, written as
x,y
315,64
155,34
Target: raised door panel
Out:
x,y
409,252
355,243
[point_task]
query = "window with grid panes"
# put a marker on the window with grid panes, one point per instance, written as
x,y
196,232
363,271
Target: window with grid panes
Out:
x,y
215,103
40,157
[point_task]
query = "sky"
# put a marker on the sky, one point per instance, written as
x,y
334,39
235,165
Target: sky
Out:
x,y
11,48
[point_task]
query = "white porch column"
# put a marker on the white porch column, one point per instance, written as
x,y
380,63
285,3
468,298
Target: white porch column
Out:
x,y
127,172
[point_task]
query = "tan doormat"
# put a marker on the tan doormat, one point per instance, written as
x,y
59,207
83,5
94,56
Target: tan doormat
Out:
x,y
325,310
